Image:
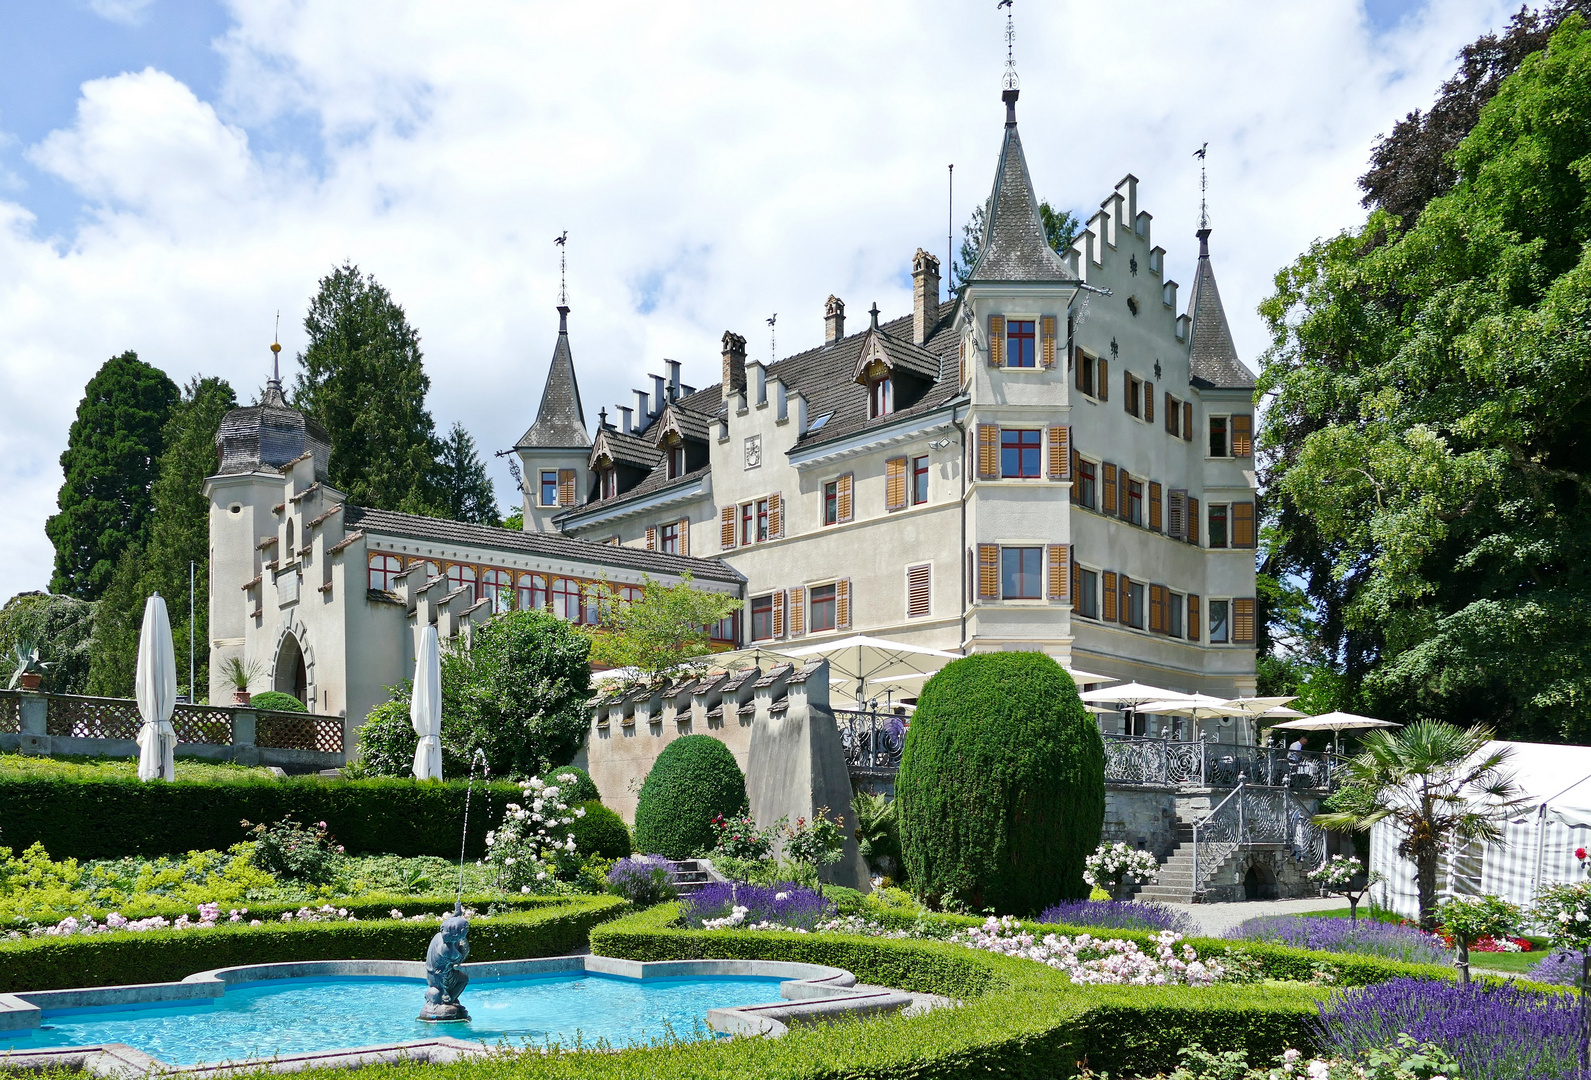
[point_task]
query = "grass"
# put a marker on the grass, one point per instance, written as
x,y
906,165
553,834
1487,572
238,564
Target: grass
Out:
x,y
108,768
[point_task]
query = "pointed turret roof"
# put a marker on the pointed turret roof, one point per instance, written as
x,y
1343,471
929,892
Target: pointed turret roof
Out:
x,y
1212,357
560,422
1013,247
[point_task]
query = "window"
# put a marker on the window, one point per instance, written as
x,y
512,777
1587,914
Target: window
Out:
x,y
1135,605
1021,573
1135,501
1085,374
676,462
549,487
532,592
668,538
460,577
566,599
726,630
610,482
878,397
1220,622
497,586
919,480
761,618
1135,387
1019,340
1218,443
823,609
748,523
1087,594
591,603
762,519
1174,614
1019,453
1218,525
384,570
831,502
1086,489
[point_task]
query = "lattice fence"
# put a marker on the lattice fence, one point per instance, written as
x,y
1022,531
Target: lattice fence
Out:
x,y
203,724
299,731
92,717
10,713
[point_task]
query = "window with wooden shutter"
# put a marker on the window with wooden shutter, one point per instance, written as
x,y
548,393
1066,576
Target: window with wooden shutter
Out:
x,y
1243,621
996,340
844,502
778,614
1107,487
1047,340
1177,512
1125,480
1173,414
1124,605
1187,421
566,487
1102,379
1149,402
1194,616
1154,505
1060,453
798,611
1243,524
1078,360
895,484
651,538
1107,593
726,528
1157,609
988,452
1076,575
775,516
842,604
1193,520
919,590
988,571
1242,435
1060,573
684,536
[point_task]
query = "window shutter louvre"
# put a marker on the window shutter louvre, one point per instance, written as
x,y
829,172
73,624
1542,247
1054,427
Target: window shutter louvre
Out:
x,y
1242,435
996,340
778,614
1154,505
1060,453
1193,520
1149,402
895,484
566,487
1243,620
843,502
1194,618
726,528
1077,574
1047,338
988,571
1243,524
988,452
919,590
651,538
1102,379
1157,609
775,516
1171,414
1121,502
842,604
1060,574
1187,421
1107,488
798,611
1124,608
1177,513
685,536
1107,595
1075,456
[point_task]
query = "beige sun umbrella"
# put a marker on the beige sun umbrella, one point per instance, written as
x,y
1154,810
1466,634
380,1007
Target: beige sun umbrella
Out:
x,y
856,659
1336,723
1194,706
1132,694
1251,707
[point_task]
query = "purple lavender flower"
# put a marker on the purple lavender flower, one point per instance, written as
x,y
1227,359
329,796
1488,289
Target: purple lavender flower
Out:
x,y
1560,969
642,879
1342,935
787,904
1497,1031
1120,915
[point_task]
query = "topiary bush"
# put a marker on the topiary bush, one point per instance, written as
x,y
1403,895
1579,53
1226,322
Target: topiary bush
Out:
x,y
276,701
601,832
1001,790
694,779
584,789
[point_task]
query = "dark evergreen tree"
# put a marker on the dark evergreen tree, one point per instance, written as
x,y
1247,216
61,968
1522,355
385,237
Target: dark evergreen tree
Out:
x,y
110,466
461,475
362,378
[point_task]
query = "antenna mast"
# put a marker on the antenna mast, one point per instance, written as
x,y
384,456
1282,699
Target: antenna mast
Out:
x,y
773,339
950,228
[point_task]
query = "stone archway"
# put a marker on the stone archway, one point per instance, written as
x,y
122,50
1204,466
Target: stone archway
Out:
x,y
293,666
1259,881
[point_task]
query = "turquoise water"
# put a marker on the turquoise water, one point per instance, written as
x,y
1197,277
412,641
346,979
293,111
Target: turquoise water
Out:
x,y
291,1016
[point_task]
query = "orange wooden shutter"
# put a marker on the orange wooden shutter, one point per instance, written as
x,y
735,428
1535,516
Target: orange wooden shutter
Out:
x,y
1154,505
844,504
895,484
1157,609
1060,575
1243,621
566,487
1107,595
1077,575
1060,453
1243,524
684,536
842,604
1172,414
996,340
919,590
778,614
1193,520
1124,608
1242,435
1107,488
1177,513
989,571
726,528
1122,503
1187,421
1193,616
1047,339
775,516
1149,402
798,611
1102,378
1126,390
651,538
988,452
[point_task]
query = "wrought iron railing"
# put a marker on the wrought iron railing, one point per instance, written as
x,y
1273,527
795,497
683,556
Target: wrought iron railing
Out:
x,y
872,740
1253,815
1132,759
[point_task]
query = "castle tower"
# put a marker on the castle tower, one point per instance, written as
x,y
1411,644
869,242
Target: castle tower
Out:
x,y
555,451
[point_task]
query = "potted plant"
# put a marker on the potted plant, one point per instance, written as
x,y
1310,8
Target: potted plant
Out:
x,y
240,674
28,670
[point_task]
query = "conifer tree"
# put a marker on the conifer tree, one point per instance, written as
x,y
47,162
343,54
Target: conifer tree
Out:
x,y
466,489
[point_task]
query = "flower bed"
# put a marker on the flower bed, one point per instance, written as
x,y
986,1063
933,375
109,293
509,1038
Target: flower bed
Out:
x,y
1364,937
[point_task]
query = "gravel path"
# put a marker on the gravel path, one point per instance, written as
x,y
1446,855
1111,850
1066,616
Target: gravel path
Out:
x,y
1217,919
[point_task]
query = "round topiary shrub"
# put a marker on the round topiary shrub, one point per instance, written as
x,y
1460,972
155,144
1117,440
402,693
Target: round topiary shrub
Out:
x,y
276,701
1001,790
694,779
584,789
601,832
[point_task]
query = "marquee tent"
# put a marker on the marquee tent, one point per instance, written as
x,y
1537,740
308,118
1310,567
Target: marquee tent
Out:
x,y
1538,842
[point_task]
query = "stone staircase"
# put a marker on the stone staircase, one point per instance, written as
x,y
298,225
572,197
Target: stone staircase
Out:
x,y
691,874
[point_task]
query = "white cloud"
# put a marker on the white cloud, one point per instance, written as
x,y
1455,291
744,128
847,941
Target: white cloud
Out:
x,y
126,12
712,163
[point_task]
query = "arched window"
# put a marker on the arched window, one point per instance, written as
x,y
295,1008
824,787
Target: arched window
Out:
x,y
384,570
498,587
566,598
532,592
459,576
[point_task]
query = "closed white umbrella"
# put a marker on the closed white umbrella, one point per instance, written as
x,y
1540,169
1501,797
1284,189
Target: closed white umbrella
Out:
x,y
155,687
425,707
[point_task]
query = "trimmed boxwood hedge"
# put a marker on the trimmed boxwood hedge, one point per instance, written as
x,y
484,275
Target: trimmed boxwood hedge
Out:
x,y
692,781
50,963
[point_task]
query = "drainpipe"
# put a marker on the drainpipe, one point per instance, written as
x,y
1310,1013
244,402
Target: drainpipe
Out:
x,y
961,555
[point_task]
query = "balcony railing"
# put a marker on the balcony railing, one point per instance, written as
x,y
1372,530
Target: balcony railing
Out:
x,y
872,740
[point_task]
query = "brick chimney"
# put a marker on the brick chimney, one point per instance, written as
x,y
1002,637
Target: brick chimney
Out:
x,y
833,320
925,295
734,365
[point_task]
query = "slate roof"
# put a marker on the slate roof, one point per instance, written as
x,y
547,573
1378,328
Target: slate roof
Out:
x,y
901,354
270,433
560,422
1212,357
1014,247
631,449
546,545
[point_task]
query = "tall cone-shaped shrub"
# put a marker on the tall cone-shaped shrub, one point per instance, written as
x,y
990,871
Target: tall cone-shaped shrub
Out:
x,y
1001,789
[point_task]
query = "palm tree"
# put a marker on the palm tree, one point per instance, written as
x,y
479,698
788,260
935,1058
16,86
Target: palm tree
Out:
x,y
876,832
1438,784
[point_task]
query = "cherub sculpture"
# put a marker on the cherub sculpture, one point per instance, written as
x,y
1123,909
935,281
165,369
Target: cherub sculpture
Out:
x,y
444,972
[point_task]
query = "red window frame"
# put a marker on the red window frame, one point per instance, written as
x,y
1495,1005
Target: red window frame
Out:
x,y
668,538
382,576
532,592
549,487
1135,501
1020,344
747,523
823,608
497,586
565,595
459,575
878,397
1087,484
831,503
762,618
1021,449
919,480
762,519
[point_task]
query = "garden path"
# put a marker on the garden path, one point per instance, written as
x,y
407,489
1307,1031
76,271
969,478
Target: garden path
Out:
x,y
1217,919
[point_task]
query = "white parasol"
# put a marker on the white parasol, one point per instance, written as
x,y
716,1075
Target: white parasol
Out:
x,y
425,707
155,686
859,659
1252,707
1133,694
1335,722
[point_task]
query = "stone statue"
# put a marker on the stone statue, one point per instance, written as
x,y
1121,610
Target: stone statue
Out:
x,y
444,973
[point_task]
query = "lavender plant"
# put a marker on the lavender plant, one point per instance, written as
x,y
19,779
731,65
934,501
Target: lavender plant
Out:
x,y
1338,935
643,880
1119,915
774,907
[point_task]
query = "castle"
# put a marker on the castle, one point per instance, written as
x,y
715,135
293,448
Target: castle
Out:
x,y
1053,459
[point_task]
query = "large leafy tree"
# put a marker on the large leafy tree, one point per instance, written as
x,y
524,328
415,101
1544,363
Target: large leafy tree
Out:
x,y
60,627
1429,477
363,379
668,626
461,475
110,466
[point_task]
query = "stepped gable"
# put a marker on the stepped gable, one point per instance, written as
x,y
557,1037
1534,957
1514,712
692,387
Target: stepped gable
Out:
x,y
560,422
1212,357
1013,246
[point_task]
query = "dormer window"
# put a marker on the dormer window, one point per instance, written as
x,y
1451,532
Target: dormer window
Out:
x,y
676,461
610,482
878,397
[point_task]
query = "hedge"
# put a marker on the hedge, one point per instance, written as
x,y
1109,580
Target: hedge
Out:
x,y
372,905
692,781
50,963
601,832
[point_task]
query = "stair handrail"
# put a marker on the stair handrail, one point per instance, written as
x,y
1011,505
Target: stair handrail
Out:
x,y
1203,868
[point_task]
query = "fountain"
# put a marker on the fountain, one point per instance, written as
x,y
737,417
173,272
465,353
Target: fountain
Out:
x,y
450,947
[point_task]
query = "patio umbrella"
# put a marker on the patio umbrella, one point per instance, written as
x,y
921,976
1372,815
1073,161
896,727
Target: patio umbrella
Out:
x,y
155,687
425,707
1083,678
1133,694
858,658
1252,707
1335,722
1195,706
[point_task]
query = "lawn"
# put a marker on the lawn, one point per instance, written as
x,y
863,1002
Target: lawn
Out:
x,y
106,768
1512,963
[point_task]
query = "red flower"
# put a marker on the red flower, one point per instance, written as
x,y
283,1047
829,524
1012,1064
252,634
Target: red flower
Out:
x,y
1580,853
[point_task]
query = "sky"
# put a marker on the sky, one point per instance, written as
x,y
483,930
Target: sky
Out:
x,y
174,173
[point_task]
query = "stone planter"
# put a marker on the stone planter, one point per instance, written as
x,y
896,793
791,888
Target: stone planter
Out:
x,y
241,697
30,680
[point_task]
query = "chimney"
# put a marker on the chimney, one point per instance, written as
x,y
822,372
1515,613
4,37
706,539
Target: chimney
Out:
x,y
925,295
658,398
625,424
673,379
734,365
833,320
641,409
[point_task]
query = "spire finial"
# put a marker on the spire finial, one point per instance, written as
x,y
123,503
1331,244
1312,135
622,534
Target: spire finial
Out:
x,y
276,350
773,339
1010,81
563,282
1204,213
873,311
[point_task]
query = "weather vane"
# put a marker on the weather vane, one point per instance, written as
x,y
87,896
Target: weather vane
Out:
x,y
276,349
773,338
563,282
1204,216
1010,82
